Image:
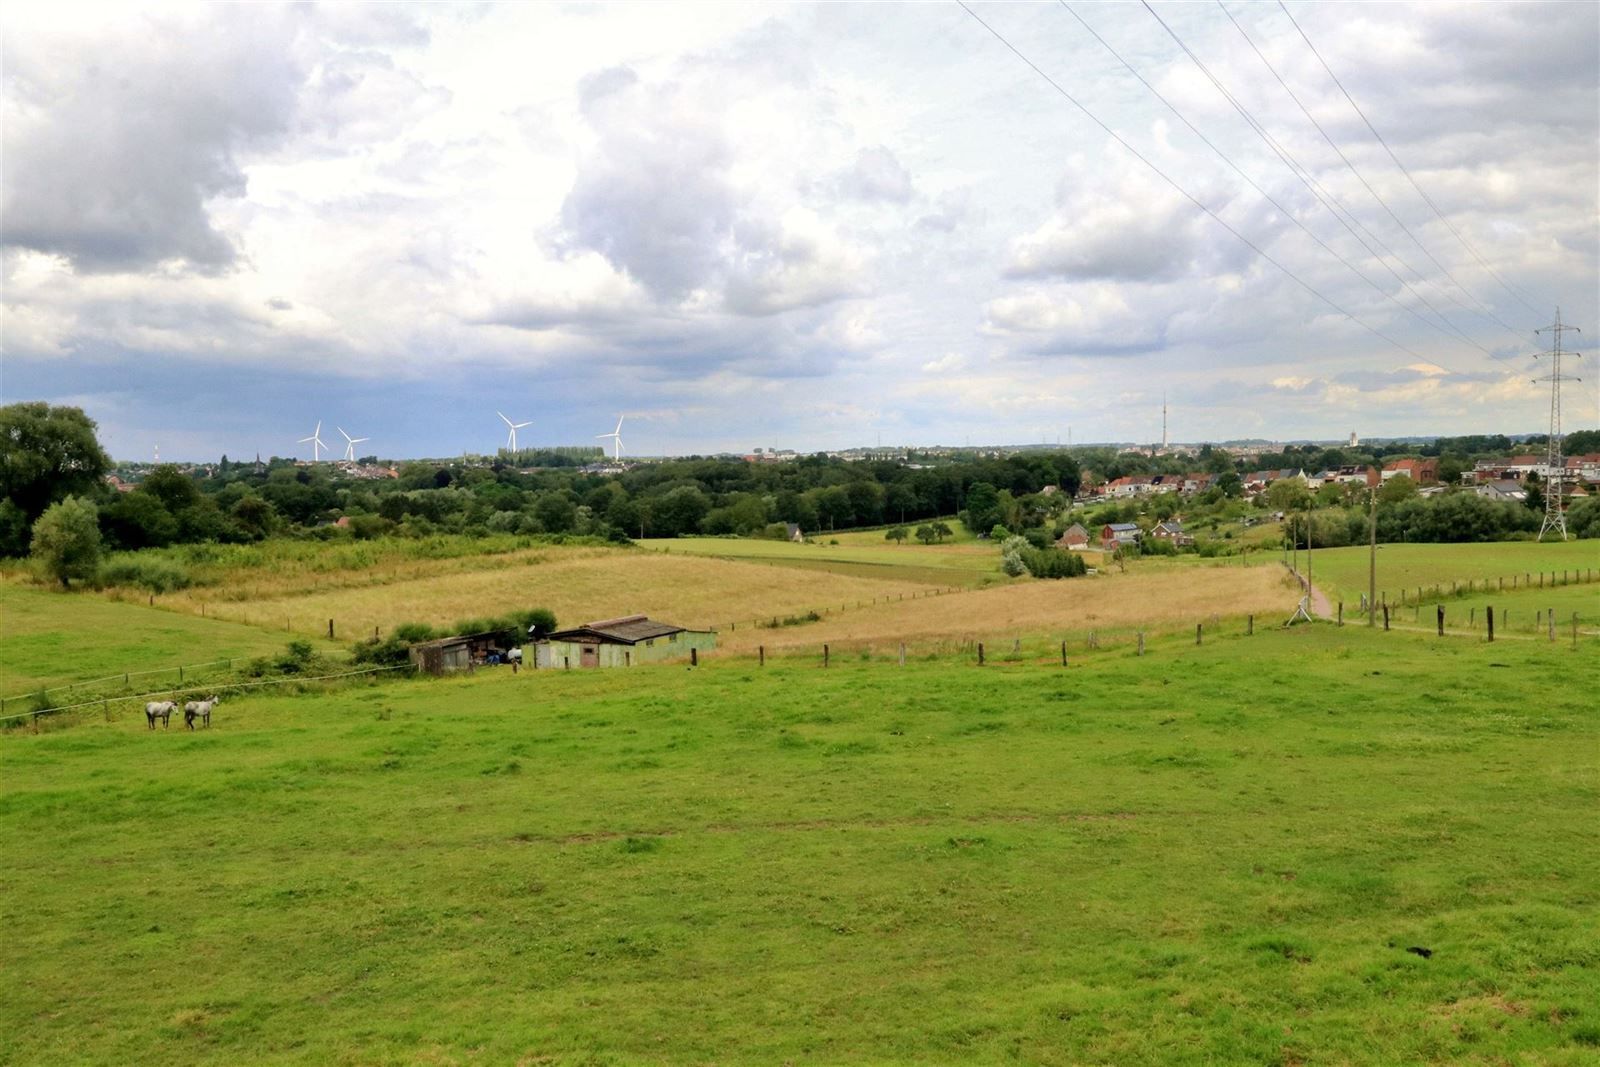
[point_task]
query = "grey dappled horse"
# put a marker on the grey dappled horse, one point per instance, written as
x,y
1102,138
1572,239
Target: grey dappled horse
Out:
x,y
199,709
159,709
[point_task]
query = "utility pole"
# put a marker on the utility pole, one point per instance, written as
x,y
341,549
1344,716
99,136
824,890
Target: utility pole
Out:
x,y
1555,519
1372,556
1163,420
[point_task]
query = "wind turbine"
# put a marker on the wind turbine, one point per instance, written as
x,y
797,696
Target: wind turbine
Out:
x,y
616,439
511,441
316,443
350,444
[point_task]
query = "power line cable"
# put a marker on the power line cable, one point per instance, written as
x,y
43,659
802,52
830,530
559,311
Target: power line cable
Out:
x,y
1482,308
1307,286
1448,328
1326,198
1396,159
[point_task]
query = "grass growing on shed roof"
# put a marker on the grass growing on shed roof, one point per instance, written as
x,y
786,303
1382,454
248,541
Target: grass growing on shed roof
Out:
x,y
1212,855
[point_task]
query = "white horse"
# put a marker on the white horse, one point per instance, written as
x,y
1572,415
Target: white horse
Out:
x,y
199,709
159,709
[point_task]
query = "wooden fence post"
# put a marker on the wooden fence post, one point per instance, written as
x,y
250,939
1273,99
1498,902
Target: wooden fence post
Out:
x,y
1488,621
1472,618
761,655
1198,627
1249,625
1063,653
330,629
824,655
694,657
1441,620
1386,618
1550,620
980,653
1141,642
902,653
1341,613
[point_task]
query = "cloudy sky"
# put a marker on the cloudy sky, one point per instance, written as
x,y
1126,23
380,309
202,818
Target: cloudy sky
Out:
x,y
793,226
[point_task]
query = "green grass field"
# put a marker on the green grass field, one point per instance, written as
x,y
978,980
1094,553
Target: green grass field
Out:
x,y
48,637
1343,571
1208,855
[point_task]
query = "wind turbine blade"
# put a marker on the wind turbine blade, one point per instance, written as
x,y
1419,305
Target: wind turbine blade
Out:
x,y
505,420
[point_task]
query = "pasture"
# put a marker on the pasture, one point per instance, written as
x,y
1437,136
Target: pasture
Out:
x,y
48,637
1155,595
969,563
1342,572
1215,854
577,583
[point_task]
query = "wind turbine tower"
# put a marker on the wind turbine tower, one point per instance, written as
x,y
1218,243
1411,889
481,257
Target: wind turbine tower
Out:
x,y
616,440
315,441
1555,464
350,444
511,439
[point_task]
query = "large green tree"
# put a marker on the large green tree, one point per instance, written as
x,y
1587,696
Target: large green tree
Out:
x,y
66,540
47,454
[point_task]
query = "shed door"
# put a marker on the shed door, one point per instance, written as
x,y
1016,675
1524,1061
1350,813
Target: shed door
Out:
x,y
590,656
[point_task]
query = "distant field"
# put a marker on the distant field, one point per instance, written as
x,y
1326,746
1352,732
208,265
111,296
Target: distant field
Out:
x,y
1343,571
1156,597
1209,855
578,584
970,564
48,637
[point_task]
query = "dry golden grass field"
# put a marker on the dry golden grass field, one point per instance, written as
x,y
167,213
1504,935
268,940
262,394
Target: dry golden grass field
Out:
x,y
578,584
1156,598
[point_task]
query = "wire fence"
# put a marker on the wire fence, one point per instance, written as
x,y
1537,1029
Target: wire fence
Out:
x,y
182,672
105,703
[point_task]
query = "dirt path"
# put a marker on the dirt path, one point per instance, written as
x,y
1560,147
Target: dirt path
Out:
x,y
1320,607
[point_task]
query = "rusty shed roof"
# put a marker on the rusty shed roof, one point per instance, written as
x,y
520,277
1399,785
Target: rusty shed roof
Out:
x,y
628,630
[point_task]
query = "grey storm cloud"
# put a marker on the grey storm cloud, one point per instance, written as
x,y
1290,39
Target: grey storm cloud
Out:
x,y
877,175
111,158
653,196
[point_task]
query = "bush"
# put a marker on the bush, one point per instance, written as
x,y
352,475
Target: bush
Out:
x,y
392,651
1052,563
1011,555
154,573
298,658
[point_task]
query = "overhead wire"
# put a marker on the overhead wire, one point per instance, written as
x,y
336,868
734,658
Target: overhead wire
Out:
x,y
1444,325
1483,308
1307,286
1396,159
1303,173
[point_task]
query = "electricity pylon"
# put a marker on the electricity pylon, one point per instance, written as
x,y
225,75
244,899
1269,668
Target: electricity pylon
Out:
x,y
1555,464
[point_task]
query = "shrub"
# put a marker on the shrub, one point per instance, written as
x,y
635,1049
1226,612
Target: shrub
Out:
x,y
1052,563
391,651
155,573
